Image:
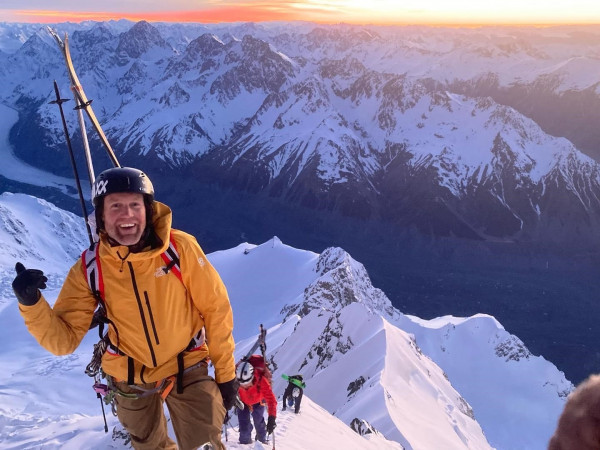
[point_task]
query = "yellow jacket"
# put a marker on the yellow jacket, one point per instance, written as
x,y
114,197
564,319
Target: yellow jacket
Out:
x,y
155,315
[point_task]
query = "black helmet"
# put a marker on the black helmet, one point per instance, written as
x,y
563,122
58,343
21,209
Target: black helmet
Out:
x,y
121,179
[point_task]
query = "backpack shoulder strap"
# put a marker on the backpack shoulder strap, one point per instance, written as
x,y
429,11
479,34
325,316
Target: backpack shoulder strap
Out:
x,y
92,271
171,258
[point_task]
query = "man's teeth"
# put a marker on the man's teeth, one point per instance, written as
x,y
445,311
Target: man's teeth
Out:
x,y
127,225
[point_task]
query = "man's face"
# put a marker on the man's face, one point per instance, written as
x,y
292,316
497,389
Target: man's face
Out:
x,y
124,217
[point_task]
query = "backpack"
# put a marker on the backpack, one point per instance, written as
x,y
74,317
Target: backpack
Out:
x,y
260,367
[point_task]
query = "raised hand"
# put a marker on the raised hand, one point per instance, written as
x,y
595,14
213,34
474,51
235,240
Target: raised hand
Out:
x,y
27,284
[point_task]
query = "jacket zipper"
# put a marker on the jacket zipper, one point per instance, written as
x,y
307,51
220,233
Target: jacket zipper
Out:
x,y
142,315
151,317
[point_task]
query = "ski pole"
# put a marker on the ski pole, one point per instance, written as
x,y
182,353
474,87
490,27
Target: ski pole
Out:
x,y
59,101
103,413
273,436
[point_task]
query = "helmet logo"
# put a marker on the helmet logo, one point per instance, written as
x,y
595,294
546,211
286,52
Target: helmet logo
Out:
x,y
99,188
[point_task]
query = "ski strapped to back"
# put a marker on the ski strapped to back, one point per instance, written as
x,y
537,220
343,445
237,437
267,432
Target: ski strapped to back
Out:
x,y
294,381
82,102
260,342
80,97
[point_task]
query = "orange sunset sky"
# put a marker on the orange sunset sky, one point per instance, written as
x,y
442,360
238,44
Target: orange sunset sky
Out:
x,y
436,12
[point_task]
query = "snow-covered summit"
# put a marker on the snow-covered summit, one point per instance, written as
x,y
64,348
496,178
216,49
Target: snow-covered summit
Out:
x,y
342,281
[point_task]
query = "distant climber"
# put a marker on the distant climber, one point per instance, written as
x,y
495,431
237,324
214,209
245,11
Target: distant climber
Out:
x,y
255,390
293,392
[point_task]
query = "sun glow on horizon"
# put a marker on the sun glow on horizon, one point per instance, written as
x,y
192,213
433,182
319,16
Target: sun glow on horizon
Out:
x,y
384,12
457,11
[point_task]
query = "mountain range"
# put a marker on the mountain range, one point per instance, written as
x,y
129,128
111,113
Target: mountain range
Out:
x,y
456,163
330,119
376,378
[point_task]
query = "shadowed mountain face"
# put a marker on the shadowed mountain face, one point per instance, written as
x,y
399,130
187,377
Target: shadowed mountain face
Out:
x,y
544,295
448,161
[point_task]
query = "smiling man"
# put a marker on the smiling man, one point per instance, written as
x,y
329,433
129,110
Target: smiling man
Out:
x,y
124,217
162,301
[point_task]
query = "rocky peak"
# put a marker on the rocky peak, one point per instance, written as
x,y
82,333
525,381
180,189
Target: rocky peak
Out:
x,y
34,47
174,96
206,45
96,35
343,281
140,38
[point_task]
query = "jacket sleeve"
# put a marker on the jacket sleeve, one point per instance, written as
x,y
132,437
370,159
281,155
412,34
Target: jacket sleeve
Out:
x,y
60,329
210,298
269,396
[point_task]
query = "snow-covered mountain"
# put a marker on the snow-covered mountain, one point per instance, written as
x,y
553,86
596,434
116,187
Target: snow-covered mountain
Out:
x,y
452,383
412,126
451,161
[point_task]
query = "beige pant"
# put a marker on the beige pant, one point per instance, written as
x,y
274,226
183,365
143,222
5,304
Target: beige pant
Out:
x,y
197,414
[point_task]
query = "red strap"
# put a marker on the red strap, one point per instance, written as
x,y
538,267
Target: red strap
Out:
x,y
100,280
170,255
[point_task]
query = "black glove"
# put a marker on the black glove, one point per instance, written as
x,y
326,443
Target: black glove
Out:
x,y
229,392
27,284
271,424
